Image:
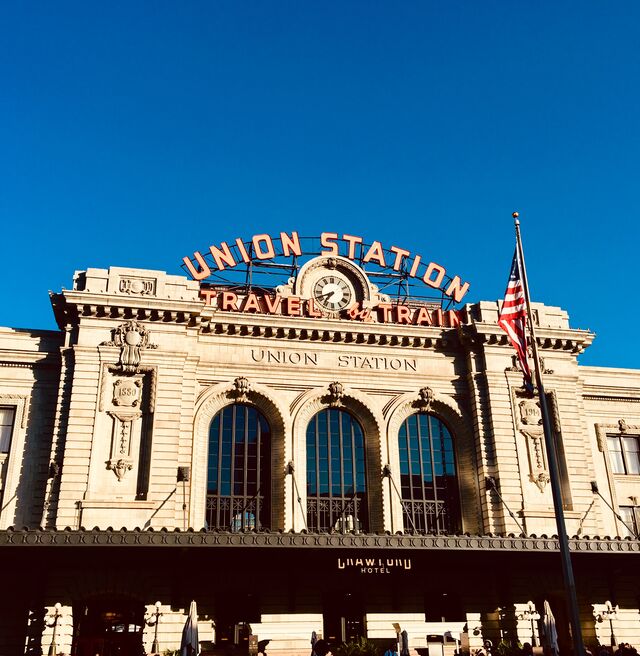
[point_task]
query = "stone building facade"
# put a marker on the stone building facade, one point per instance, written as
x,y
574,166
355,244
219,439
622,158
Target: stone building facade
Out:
x,y
296,471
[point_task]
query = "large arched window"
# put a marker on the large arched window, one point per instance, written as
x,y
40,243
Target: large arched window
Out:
x,y
239,470
430,499
336,479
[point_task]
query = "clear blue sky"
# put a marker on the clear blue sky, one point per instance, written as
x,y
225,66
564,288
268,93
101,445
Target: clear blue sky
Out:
x,y
135,133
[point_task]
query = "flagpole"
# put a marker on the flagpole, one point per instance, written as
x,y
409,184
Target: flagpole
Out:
x,y
554,473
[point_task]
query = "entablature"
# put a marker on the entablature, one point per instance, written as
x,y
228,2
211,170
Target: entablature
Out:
x,y
271,539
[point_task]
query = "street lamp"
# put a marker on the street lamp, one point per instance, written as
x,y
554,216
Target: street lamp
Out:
x,y
609,612
530,613
155,649
56,616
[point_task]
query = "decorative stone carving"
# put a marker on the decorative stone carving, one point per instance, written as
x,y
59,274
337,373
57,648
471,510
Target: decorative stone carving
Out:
x,y
241,387
130,337
336,392
137,286
426,397
544,371
514,364
120,467
516,367
120,460
127,392
530,414
530,421
622,426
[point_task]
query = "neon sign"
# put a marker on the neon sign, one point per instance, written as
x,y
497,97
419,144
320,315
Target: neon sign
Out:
x,y
263,248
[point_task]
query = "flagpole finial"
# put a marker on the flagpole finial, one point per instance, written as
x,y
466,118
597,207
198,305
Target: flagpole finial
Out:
x,y
515,216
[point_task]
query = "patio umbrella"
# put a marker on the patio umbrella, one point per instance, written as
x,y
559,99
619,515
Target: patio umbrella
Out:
x,y
189,645
550,631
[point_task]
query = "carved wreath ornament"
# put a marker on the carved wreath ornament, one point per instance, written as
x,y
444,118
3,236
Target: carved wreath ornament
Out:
x,y
130,337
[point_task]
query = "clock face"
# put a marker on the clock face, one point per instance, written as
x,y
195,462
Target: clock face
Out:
x,y
332,292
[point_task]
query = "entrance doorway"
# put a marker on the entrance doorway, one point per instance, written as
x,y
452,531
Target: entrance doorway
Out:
x,y
108,626
343,619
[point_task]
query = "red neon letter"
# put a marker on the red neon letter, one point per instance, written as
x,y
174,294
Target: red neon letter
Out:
x,y
375,252
221,255
266,254
204,272
251,303
207,295
400,253
457,290
352,245
243,250
228,301
272,303
403,314
451,318
294,308
422,318
440,271
386,311
414,266
312,310
326,239
290,244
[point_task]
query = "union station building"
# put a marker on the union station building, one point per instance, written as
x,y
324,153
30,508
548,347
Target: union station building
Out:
x,y
323,453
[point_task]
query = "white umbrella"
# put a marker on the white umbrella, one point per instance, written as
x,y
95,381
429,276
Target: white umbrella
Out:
x,y
189,645
550,631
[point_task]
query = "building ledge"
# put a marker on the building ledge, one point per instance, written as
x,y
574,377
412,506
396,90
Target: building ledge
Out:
x,y
270,539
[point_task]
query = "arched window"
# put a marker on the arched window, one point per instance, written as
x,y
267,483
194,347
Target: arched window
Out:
x,y
336,479
239,470
430,500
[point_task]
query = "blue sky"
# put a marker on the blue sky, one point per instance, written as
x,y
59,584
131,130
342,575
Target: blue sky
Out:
x,y
135,133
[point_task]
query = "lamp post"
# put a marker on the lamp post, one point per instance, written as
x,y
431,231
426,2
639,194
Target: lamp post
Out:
x,y
56,616
530,613
155,649
609,612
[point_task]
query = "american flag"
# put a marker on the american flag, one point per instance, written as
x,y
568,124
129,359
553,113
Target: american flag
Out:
x,y
513,316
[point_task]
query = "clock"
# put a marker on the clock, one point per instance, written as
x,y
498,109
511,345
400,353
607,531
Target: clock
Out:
x,y
333,292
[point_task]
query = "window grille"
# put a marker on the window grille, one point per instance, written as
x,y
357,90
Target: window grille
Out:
x,y
428,479
336,478
239,470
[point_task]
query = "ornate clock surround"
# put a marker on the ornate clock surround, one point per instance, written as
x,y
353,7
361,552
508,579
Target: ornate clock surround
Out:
x,y
319,267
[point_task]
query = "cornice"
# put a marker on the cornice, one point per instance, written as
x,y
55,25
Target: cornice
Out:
x,y
70,306
26,360
323,331
210,539
611,398
548,339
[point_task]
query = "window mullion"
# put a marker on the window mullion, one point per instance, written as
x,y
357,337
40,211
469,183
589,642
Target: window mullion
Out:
x,y
433,473
354,470
220,432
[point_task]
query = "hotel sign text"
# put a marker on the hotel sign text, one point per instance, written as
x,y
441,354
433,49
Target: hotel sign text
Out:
x,y
375,565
